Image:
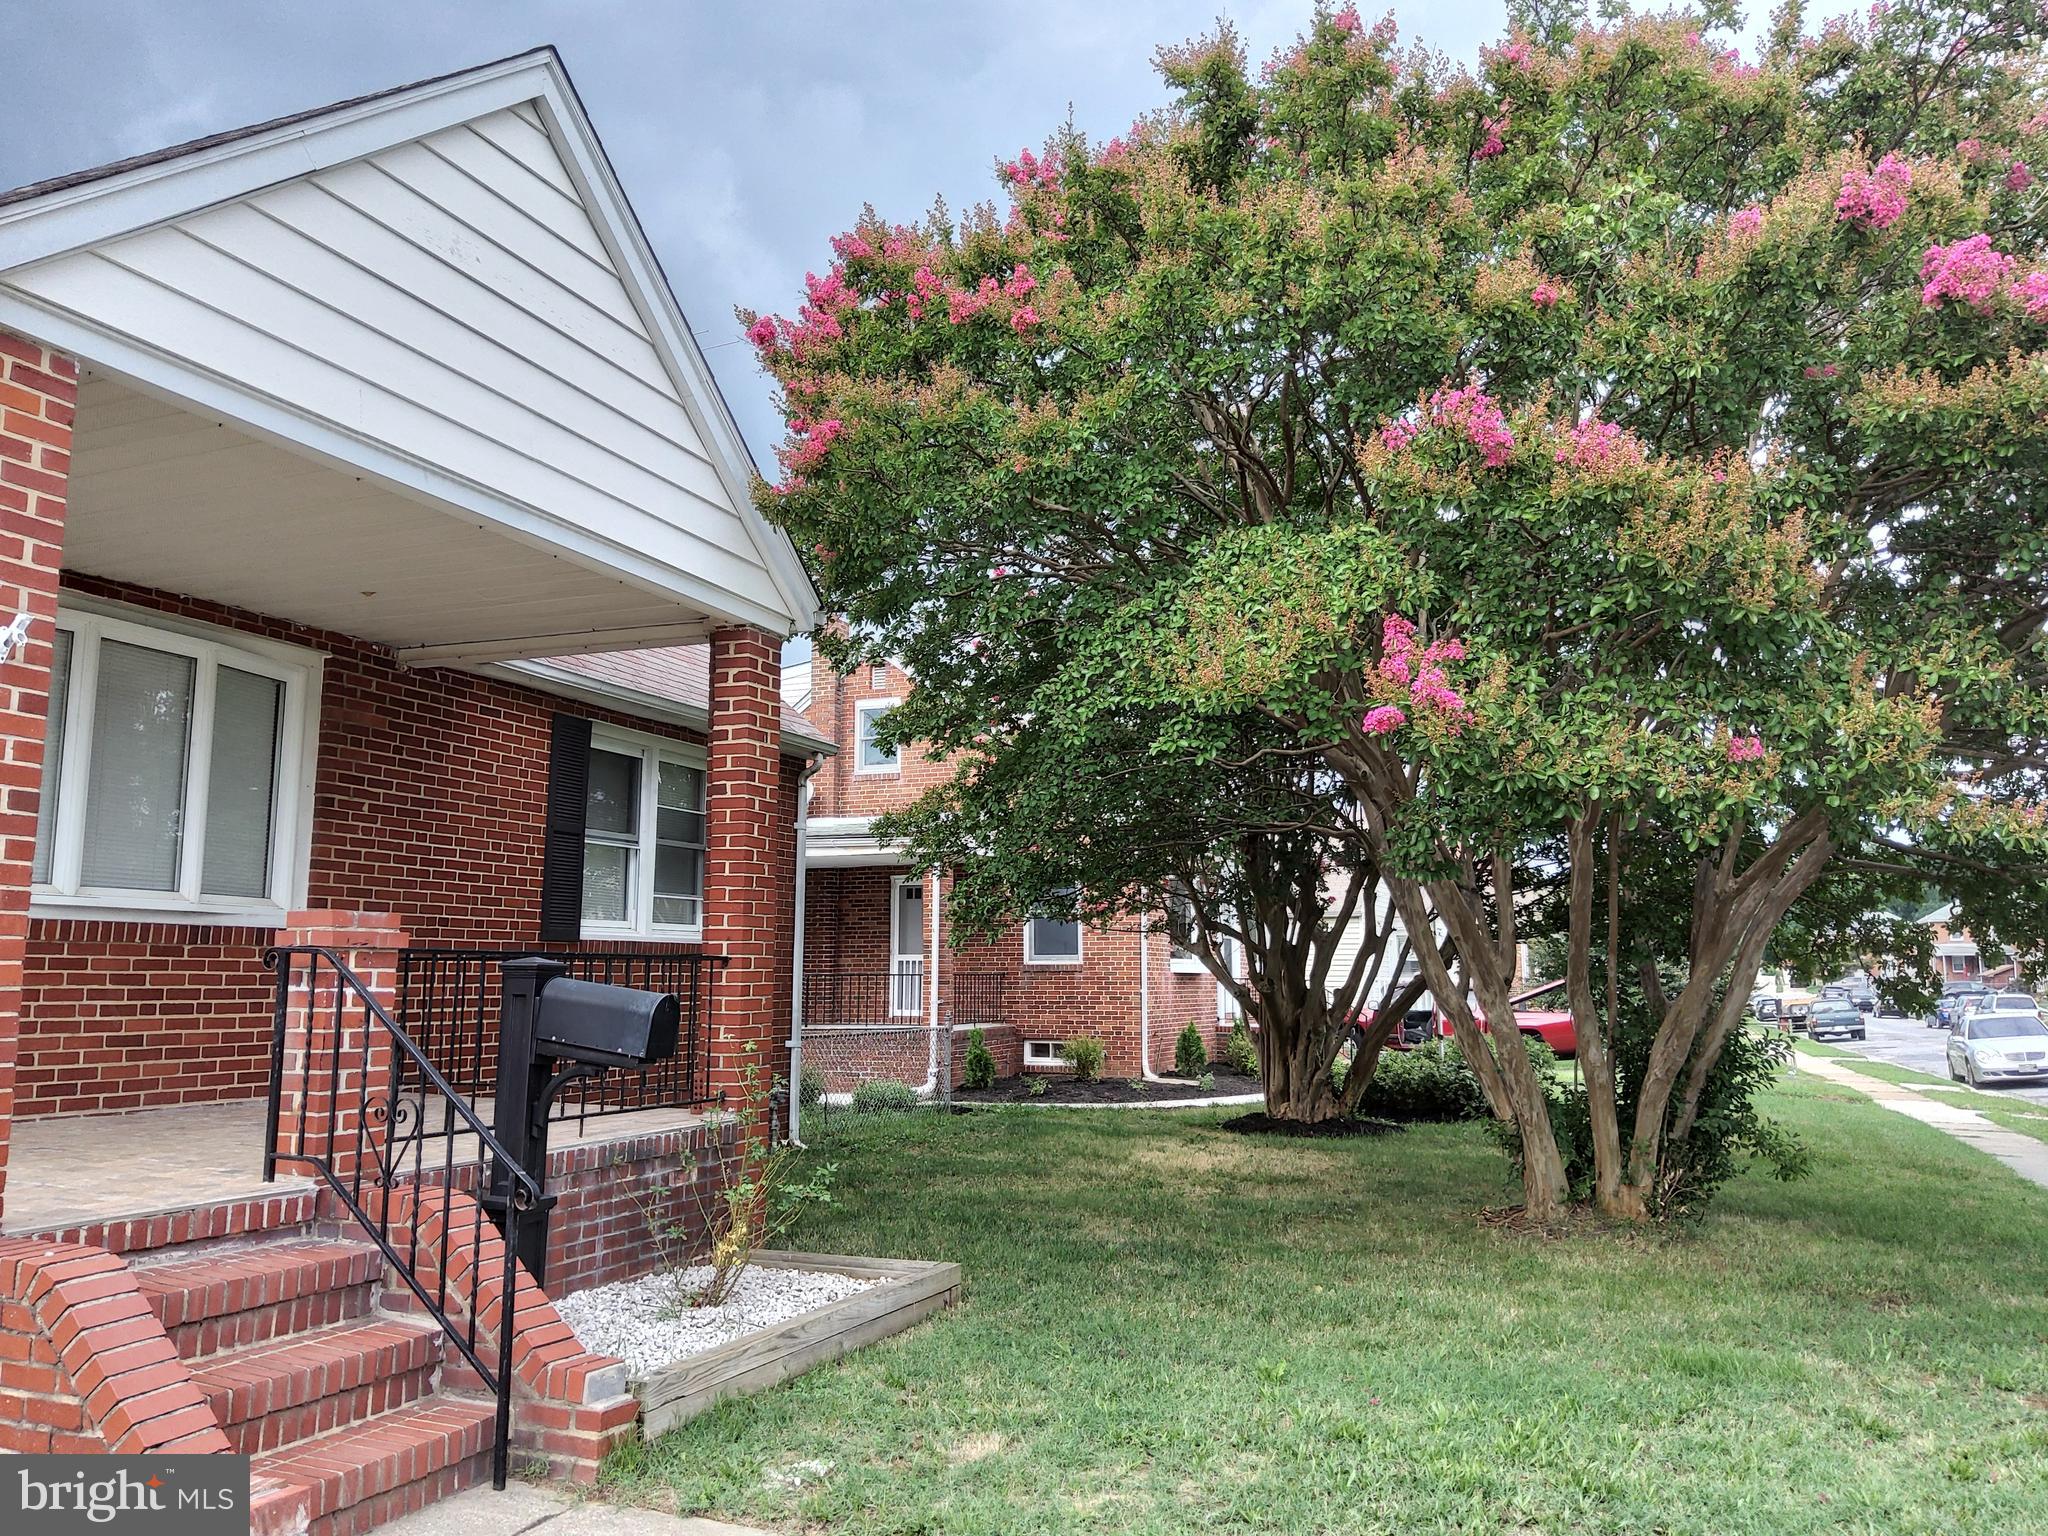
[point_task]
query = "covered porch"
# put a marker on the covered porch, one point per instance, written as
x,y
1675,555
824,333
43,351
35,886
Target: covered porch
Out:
x,y
337,457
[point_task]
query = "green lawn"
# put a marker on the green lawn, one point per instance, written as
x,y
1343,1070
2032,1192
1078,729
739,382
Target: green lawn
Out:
x,y
1169,1328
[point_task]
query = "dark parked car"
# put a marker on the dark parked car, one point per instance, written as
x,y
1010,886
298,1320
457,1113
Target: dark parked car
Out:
x,y
1835,1018
1951,1003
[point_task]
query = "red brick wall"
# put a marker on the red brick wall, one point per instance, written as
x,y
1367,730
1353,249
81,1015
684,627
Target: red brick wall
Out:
x,y
839,788
38,402
429,801
846,928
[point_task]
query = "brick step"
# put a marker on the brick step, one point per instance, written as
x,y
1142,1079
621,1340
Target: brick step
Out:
x,y
226,1299
293,1388
364,1475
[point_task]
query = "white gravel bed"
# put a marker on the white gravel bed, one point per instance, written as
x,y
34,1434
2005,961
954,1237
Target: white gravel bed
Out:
x,y
641,1322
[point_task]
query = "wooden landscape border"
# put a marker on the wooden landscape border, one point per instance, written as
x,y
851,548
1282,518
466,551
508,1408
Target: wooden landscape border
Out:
x,y
910,1290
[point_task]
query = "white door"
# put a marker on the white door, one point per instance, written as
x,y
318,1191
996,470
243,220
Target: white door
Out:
x,y
906,967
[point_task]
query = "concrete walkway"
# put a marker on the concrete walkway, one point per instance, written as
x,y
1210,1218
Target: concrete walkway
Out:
x,y
523,1507
2024,1155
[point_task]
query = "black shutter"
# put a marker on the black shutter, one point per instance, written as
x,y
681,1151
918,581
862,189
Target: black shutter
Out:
x,y
561,871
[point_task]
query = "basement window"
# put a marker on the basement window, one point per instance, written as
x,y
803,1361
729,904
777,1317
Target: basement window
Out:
x,y
1043,1053
175,768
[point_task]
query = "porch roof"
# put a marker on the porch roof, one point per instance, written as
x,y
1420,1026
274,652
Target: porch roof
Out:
x,y
404,367
671,683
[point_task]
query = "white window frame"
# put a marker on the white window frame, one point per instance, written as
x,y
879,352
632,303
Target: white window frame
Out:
x,y
1044,1053
1031,955
1181,963
863,711
297,667
651,750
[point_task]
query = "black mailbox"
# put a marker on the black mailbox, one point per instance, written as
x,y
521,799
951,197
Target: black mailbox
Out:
x,y
606,1026
547,1018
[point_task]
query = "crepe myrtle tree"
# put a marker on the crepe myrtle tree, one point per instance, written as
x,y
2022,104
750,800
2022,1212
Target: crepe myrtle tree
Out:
x,y
1622,440
1072,814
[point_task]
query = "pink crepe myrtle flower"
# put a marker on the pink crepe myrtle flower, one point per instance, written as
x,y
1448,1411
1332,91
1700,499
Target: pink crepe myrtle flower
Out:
x,y
1021,282
998,573
1346,20
1822,370
2018,178
762,332
1970,151
1876,198
1474,413
1745,749
1545,294
1420,671
815,440
1746,222
1600,447
821,551
1382,719
1970,271
1494,143
2031,294
1518,54
1024,319
852,246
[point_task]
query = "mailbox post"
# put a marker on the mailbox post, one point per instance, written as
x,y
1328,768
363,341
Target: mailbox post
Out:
x,y
546,1017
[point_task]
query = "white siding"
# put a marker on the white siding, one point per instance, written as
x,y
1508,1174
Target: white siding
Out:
x,y
449,299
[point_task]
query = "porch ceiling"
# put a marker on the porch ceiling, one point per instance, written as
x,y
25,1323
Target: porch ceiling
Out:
x,y
166,497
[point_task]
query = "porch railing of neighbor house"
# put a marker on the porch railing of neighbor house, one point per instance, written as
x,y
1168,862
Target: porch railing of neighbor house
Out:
x,y
448,1002
896,998
368,1103
872,1047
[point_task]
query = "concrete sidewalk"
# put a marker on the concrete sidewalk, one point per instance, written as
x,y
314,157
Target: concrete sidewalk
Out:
x,y
523,1507
2024,1155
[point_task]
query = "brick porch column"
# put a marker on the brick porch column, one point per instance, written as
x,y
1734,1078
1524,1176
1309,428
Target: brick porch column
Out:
x,y
38,401
337,1092
750,858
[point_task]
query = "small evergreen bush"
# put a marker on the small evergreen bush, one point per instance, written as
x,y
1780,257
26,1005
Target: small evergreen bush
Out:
x,y
1084,1054
1429,1083
1239,1055
1190,1056
980,1071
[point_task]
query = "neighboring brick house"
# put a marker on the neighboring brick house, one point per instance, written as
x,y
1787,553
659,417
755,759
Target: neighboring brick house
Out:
x,y
1956,956
873,963
386,595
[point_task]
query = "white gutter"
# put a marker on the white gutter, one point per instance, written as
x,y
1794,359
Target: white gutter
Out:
x,y
931,1076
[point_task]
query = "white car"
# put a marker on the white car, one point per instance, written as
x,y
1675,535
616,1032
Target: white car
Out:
x,y
1998,1046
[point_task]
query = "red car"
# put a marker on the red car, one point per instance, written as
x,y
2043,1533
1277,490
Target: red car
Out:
x,y
1554,1027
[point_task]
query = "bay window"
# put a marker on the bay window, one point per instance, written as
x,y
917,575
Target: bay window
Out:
x,y
174,769
643,839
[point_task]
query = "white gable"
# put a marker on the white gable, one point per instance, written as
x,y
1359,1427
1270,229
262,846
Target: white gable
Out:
x,y
474,300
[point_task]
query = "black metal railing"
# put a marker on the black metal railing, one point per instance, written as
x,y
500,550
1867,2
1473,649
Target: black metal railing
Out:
x,y
897,998
448,1000
365,1102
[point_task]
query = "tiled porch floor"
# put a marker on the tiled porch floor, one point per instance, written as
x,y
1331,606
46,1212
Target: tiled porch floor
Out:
x,y
71,1170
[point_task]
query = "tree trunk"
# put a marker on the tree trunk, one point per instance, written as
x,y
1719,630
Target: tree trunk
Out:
x,y
1596,1045
1294,1071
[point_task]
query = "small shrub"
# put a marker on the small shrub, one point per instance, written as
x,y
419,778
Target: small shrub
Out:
x,y
1206,1082
1035,1089
1190,1056
1084,1054
810,1087
1239,1055
980,1071
883,1096
1430,1083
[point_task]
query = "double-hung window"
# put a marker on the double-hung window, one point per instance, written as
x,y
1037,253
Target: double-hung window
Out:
x,y
1052,941
868,755
643,839
174,770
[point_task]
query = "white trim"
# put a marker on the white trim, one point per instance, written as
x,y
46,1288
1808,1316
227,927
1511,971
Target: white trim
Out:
x,y
863,709
296,668
1051,1054
650,750
563,683
1032,957
107,208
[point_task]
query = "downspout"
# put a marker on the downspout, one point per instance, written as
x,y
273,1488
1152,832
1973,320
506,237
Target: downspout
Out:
x,y
1145,999
931,1076
796,960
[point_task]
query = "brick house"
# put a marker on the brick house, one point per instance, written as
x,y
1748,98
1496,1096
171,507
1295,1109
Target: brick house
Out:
x,y
881,967
382,595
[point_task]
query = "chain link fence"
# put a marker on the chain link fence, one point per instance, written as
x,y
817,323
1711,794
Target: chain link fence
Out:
x,y
870,1051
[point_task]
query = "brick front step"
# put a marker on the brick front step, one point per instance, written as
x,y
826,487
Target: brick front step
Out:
x,y
366,1474
232,1298
292,1389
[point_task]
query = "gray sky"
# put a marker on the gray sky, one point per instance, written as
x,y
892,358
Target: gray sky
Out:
x,y
745,134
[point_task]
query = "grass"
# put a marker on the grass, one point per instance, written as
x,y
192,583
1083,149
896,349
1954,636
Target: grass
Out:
x,y
1172,1329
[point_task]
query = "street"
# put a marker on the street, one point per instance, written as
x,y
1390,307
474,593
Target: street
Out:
x,y
1910,1043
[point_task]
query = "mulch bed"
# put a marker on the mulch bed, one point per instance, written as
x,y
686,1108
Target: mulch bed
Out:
x,y
1103,1090
1262,1124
